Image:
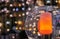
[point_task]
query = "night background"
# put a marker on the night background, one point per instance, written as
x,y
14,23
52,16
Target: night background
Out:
x,y
19,18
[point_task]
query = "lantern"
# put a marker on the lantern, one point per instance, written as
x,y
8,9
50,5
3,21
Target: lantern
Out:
x,y
45,23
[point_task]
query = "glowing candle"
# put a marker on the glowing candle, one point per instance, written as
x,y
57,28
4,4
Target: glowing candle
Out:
x,y
45,23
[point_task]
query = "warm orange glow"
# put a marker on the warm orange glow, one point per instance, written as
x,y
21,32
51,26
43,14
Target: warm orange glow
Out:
x,y
20,22
45,23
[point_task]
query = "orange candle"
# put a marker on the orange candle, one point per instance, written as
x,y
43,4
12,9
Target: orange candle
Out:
x,y
45,23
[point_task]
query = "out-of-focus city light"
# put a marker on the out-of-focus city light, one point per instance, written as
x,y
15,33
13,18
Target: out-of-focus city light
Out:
x,y
13,37
2,0
23,8
17,28
11,5
48,1
13,9
5,9
56,1
19,5
2,10
20,28
1,24
29,8
23,14
23,4
59,1
19,15
27,2
27,13
17,9
8,29
40,3
7,22
11,15
15,22
20,22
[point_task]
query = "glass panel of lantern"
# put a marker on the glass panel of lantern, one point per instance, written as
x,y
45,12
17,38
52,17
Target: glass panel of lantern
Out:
x,y
38,24
57,25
